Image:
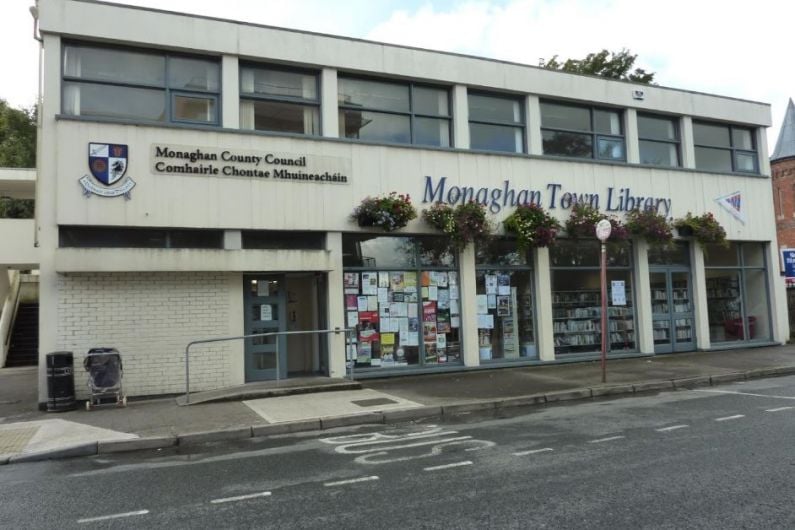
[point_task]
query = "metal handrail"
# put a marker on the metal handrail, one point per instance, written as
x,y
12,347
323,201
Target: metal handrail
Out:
x,y
336,331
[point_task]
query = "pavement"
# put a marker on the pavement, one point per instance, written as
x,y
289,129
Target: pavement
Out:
x,y
27,434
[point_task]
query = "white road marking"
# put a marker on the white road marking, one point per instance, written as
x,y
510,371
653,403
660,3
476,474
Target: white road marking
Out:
x,y
242,497
533,451
448,466
727,418
113,516
672,428
609,439
351,481
779,409
743,394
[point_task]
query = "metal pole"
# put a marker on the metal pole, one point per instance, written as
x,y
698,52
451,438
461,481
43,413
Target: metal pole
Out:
x,y
278,372
187,374
604,312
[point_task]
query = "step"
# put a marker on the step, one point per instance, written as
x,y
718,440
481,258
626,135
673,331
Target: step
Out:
x,y
264,389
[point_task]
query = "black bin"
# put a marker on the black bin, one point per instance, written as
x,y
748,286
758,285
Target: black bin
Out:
x,y
60,382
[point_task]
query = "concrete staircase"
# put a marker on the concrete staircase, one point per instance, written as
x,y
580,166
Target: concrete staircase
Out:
x,y
24,348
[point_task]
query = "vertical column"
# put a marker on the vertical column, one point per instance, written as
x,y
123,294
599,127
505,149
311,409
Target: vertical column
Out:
x,y
237,327
644,333
46,188
460,117
542,277
700,309
761,151
329,116
469,318
532,117
336,306
230,92
688,150
631,136
778,295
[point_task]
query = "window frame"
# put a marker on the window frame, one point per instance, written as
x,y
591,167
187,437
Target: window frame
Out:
x,y
595,136
289,100
731,149
677,143
411,114
168,92
522,126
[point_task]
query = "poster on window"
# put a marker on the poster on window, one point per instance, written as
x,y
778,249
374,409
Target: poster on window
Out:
x,y
618,292
350,281
370,283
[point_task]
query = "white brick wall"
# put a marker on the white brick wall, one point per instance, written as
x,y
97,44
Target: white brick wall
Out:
x,y
150,318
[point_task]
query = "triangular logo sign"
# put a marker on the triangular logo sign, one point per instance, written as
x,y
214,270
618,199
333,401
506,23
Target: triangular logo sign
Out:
x,y
733,203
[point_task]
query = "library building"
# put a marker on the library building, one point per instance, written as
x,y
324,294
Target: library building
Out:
x,y
201,178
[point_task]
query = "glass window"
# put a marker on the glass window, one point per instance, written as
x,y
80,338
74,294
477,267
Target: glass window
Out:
x,y
725,148
505,315
601,137
393,112
279,116
129,84
404,314
500,252
677,254
658,140
570,253
496,123
279,100
737,293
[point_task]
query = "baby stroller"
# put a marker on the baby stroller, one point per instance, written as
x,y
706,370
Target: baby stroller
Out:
x,y
104,376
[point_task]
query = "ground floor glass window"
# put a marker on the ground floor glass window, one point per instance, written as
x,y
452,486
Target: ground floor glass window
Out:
x,y
576,292
504,303
402,296
737,293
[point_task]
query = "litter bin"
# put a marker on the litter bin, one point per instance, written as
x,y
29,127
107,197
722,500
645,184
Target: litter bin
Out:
x,y
60,382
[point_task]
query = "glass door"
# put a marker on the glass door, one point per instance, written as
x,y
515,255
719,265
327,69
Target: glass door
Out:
x,y
672,310
265,301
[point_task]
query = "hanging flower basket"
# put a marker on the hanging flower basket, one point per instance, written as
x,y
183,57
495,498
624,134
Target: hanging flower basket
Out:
x,y
705,229
532,226
463,224
389,212
581,224
651,226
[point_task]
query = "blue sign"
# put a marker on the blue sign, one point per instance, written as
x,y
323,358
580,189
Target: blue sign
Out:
x,y
788,257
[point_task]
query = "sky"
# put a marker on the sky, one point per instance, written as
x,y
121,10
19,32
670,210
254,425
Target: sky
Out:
x,y
724,47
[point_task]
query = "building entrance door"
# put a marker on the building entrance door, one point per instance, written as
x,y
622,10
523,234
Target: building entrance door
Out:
x,y
265,310
672,309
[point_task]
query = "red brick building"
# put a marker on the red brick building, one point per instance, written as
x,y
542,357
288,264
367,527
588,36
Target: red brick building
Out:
x,y
782,166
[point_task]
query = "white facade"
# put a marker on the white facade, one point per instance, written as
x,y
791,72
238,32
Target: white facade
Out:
x,y
150,302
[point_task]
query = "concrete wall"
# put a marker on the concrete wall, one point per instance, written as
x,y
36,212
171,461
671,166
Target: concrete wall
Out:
x,y
150,318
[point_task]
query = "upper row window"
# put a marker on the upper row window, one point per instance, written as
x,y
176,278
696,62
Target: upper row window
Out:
x,y
658,140
581,132
722,147
496,123
403,113
279,100
137,85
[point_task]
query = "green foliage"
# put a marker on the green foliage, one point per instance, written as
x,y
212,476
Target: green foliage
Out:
x,y
388,212
464,224
532,226
581,224
612,65
17,149
651,226
17,136
705,229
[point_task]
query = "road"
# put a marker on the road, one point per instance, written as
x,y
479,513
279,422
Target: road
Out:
x,y
718,457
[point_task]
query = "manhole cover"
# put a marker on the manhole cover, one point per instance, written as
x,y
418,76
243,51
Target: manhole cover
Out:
x,y
374,402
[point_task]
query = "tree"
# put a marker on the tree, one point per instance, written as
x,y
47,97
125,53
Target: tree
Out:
x,y
17,149
612,65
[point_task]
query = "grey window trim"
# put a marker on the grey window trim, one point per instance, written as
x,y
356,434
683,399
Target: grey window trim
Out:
x,y
197,95
595,136
678,142
411,114
732,149
167,91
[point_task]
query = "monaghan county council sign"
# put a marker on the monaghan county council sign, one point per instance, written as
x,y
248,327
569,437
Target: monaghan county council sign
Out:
x,y
266,165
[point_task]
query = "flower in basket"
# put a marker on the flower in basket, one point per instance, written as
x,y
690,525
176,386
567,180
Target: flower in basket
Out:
x,y
651,226
703,228
463,224
581,224
388,212
532,226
